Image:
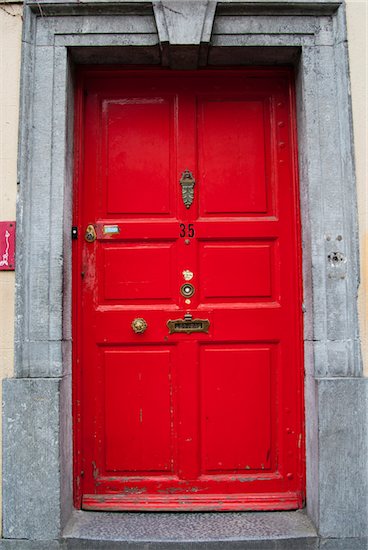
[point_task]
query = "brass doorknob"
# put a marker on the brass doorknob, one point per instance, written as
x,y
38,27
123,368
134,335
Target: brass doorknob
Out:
x,y
139,325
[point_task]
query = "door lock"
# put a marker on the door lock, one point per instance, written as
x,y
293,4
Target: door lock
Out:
x,y
90,234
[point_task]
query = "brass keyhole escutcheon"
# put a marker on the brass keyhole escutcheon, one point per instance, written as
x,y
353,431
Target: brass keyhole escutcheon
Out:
x,y
187,290
90,234
139,325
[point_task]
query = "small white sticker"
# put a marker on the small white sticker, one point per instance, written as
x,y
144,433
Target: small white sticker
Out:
x,y
111,229
188,275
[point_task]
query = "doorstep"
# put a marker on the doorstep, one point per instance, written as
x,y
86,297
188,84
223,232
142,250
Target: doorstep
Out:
x,y
203,530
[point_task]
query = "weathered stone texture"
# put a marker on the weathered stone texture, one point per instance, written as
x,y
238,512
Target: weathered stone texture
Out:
x,y
31,479
343,457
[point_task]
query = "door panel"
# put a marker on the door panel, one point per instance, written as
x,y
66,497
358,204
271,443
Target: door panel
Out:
x,y
138,146
232,183
123,267
167,418
236,391
233,270
137,419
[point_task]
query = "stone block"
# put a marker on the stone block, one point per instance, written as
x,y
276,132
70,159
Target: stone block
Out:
x,y
343,457
31,469
203,530
22,544
177,13
41,358
311,435
266,544
66,450
344,544
84,25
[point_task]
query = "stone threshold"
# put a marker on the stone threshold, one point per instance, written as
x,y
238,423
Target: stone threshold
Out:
x,y
192,531
202,530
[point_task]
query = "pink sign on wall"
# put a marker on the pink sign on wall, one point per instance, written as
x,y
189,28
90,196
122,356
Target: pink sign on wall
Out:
x,y
7,246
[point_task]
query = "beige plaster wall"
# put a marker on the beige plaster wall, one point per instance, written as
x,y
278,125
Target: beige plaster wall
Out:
x,y
10,46
357,22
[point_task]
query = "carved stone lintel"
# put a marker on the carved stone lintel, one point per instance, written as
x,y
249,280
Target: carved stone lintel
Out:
x,y
184,30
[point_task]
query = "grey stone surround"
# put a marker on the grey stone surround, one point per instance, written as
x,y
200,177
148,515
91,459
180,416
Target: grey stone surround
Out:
x,y
37,452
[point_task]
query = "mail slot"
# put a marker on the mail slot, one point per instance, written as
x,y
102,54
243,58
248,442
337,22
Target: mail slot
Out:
x,y
188,325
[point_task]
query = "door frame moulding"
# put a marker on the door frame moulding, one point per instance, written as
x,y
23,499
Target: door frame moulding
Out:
x,y
311,35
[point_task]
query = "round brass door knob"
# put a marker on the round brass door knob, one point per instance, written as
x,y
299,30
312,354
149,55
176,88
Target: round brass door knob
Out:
x,y
139,325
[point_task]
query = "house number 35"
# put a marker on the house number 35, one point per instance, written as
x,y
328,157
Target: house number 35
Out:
x,y
187,230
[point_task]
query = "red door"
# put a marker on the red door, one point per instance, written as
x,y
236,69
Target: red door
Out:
x,y
188,355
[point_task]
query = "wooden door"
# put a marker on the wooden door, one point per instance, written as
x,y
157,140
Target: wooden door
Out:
x,y
187,292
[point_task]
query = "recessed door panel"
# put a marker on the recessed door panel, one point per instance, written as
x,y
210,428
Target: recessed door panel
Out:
x,y
138,410
187,295
237,270
237,410
232,156
138,143
138,272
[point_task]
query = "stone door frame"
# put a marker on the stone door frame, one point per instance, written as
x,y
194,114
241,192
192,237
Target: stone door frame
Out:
x,y
310,35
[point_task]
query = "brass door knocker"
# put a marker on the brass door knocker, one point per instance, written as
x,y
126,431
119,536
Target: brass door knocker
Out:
x,y
187,183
